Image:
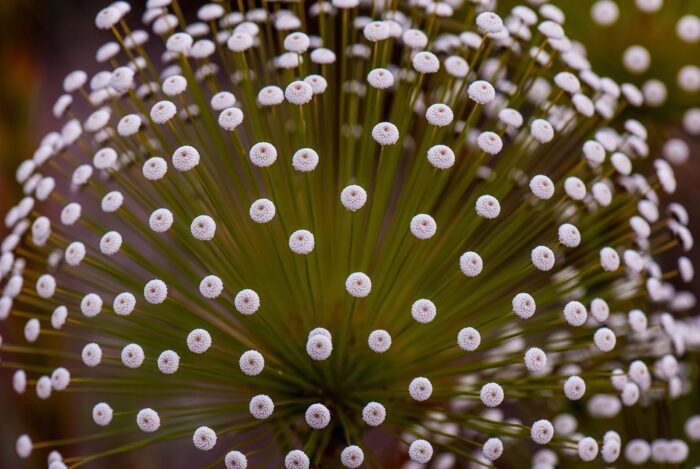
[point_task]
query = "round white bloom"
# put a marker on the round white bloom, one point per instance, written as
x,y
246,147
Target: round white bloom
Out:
x,y
605,12
319,347
105,158
636,59
204,438
32,329
420,451
261,406
439,115
574,388
587,449
263,154
163,111
185,158
542,187
609,259
655,93
58,317
112,201
542,258
471,264
541,130
46,286
610,450
489,142
637,320
301,242
492,449
102,414
423,226
270,96
132,356
91,305
379,341
692,428
420,389
358,285
203,228
128,125
468,339
630,394
174,85
689,78
160,220
235,460
423,311
148,420
605,339
637,451
441,156
322,56
106,18
535,359
91,355
542,432
568,82
353,197
230,118
251,363
524,305
298,92
262,211
575,313
168,362
415,38
482,92
211,286
198,341
352,456
488,206
247,301
239,41
43,387
305,160
426,62
380,78
222,100
600,309
639,373
154,168
317,82
491,394
297,459
688,28
155,291
60,379
489,22
317,416
511,117
19,381
385,133
374,414
377,31
569,235
110,243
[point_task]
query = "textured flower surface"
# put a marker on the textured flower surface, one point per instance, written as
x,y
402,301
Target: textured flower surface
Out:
x,y
351,233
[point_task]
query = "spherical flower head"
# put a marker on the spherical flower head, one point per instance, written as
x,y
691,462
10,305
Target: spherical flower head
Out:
x,y
112,201
163,111
385,133
247,301
198,341
148,420
263,154
610,450
102,414
587,449
568,82
239,41
488,207
482,92
107,17
204,438
235,460
24,446
542,432
471,264
426,62
441,156
58,317
542,131
261,406
168,362
211,286
380,78
129,125
604,339
352,456
104,158
524,305
31,330
420,389
43,387
415,38
161,220
46,286
575,313
91,355
301,242
423,226
574,388
358,285
609,259
630,394
185,158
317,416
317,82
322,56
489,22
456,66
379,341
353,197
542,258
262,211
60,379
639,374
155,292
319,347
535,359
154,168
489,142
374,414
132,356
203,228
542,187
468,339
174,85
91,305
252,363
297,459
298,92
492,449
230,118
423,311
491,394
439,115
222,100
110,243
420,451
637,451
270,96
575,188
569,235
305,160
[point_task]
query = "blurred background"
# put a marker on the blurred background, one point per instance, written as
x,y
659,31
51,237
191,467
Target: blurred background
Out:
x,y
43,40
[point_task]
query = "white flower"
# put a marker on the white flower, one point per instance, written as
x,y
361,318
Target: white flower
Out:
x,y
174,85
575,313
247,302
542,187
160,220
420,451
270,96
319,347
481,91
415,38
489,22
168,362
488,206
468,339
376,31
198,341
110,243
423,226
491,394
535,359
489,142
423,311
297,459
630,394
263,154
604,339
148,420
235,459
298,92
471,264
492,449
609,259
542,432
385,133
610,450
211,286
204,438
163,111
91,305
203,228
301,242
374,414
60,379
420,389
91,355
380,78
574,388
154,168
358,285
261,406
305,160
542,131
542,258
132,356
239,41
600,309
185,158
379,341
317,416
352,456
426,62
439,115
353,197
230,118
569,235
102,414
